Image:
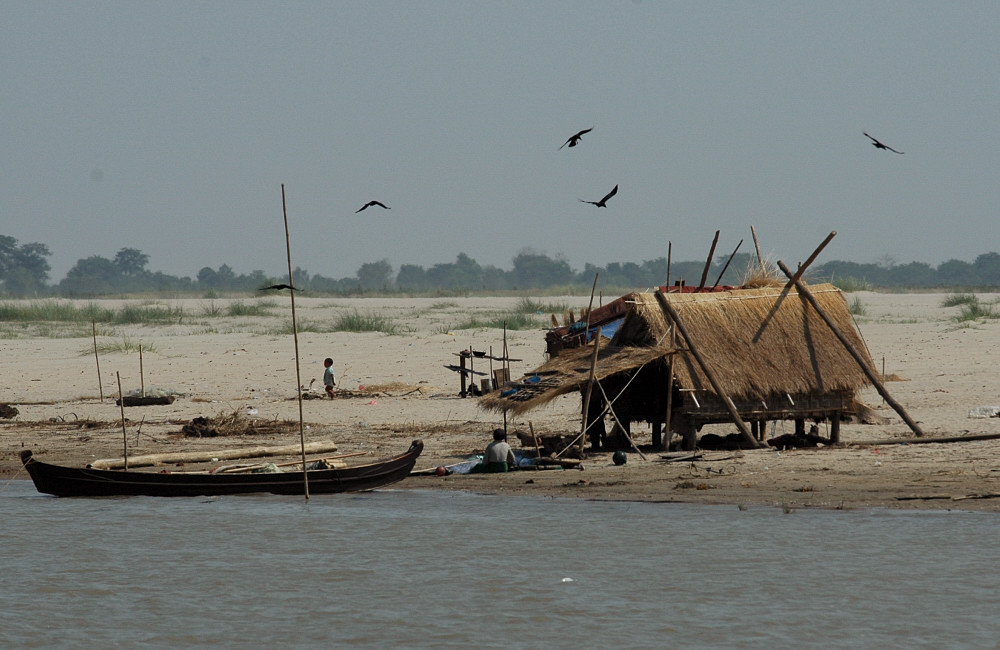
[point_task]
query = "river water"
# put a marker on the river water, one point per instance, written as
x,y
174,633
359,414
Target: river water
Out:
x,y
422,568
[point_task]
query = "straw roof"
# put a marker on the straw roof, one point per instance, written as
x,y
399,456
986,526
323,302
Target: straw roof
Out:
x,y
758,343
566,373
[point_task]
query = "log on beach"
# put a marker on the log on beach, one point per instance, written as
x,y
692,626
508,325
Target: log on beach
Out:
x,y
209,456
135,400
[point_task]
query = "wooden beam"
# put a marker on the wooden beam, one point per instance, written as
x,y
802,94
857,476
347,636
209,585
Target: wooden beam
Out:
x,y
869,372
740,424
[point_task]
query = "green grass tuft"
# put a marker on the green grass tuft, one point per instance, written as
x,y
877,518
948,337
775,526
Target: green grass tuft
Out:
x,y
355,321
512,320
956,299
857,307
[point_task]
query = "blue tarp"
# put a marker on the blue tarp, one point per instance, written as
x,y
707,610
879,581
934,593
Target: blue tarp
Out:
x,y
607,329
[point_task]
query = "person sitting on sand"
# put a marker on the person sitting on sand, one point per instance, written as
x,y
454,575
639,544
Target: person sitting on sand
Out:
x,y
329,381
498,457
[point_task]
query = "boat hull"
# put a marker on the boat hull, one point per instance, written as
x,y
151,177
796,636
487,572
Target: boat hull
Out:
x,y
64,481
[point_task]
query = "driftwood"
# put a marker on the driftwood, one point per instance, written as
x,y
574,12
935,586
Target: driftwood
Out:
x,y
925,440
7,411
945,497
136,400
208,456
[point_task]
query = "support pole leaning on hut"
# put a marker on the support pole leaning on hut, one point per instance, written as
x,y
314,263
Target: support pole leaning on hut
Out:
x,y
590,389
872,377
740,424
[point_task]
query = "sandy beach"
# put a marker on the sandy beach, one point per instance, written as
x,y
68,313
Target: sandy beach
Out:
x,y
396,387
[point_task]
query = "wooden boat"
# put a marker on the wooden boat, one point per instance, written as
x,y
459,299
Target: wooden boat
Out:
x,y
82,482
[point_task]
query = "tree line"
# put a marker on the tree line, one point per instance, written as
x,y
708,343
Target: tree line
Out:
x,y
24,272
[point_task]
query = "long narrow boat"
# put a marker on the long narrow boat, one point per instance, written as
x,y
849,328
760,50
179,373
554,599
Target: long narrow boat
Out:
x,y
64,481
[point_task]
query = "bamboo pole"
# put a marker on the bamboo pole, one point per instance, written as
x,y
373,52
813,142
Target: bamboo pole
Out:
x,y
142,380
534,439
121,407
708,262
100,387
784,290
670,250
756,244
728,262
872,376
295,337
590,305
590,389
619,422
670,389
802,267
740,424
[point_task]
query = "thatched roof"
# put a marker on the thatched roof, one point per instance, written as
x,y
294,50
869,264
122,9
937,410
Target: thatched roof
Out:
x,y
758,344
566,373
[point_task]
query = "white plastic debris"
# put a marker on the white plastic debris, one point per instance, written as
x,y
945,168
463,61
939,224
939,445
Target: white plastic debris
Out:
x,y
985,412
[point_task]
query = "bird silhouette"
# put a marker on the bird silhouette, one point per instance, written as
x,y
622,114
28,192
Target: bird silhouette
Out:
x,y
879,145
370,204
278,287
575,139
603,203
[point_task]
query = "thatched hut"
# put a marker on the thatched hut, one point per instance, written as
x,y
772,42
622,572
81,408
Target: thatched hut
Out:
x,y
769,352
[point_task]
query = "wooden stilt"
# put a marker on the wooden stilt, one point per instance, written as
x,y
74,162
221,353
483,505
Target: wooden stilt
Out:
x,y
835,428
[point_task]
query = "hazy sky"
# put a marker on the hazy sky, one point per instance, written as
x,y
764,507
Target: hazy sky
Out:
x,y
170,127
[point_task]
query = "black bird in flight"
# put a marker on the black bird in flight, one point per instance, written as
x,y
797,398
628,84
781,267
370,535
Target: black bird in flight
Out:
x,y
879,145
603,203
370,204
278,287
575,139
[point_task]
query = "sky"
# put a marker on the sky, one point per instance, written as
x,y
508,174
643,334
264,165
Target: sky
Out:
x,y
171,126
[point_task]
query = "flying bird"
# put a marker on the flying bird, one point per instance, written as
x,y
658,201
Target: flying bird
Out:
x,y
879,145
278,287
370,204
575,139
603,203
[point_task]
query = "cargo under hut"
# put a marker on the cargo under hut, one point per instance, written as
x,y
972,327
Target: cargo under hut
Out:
x,y
743,356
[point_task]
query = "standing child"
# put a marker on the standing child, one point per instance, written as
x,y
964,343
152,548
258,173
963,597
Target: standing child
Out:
x,y
329,381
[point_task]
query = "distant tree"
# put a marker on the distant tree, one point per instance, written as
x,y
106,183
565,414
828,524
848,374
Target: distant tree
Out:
x,y
536,270
24,269
131,261
208,278
987,268
94,275
375,275
956,273
913,274
411,277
